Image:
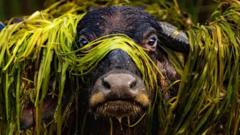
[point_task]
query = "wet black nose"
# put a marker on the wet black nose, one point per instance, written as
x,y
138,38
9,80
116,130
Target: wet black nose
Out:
x,y
120,86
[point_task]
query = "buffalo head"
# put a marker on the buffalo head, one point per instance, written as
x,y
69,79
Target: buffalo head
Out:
x,y
116,87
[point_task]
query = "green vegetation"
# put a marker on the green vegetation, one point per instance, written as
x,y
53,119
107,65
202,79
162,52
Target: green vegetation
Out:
x,y
38,51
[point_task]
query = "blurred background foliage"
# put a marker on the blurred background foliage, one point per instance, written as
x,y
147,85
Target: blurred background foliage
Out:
x,y
197,10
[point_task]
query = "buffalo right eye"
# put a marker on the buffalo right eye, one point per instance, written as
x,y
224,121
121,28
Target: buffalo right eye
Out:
x,y
82,41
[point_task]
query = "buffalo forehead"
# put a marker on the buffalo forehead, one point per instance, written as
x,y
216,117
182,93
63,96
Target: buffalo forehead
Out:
x,y
127,20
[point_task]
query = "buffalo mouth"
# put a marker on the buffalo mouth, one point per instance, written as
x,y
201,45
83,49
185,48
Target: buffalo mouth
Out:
x,y
119,108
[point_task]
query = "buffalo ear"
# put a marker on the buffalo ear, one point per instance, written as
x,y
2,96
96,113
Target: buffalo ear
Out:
x,y
172,38
1,26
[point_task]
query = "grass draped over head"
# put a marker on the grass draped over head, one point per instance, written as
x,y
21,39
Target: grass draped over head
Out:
x,y
91,54
36,54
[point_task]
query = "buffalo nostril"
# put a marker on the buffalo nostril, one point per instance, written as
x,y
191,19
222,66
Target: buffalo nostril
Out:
x,y
133,84
106,84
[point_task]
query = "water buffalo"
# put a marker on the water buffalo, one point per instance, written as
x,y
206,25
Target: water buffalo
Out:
x,y
115,93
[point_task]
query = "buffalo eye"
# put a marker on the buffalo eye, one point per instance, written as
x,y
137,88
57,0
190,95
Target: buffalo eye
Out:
x,y
82,41
151,42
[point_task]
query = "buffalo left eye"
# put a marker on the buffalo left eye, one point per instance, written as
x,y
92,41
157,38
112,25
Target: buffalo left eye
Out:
x,y
152,40
82,41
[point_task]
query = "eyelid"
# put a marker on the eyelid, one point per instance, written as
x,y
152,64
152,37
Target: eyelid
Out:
x,y
83,36
149,32
86,34
153,35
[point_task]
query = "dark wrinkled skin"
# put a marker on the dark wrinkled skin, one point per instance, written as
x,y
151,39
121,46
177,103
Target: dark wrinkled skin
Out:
x,y
142,28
